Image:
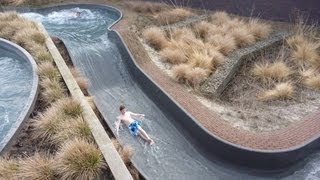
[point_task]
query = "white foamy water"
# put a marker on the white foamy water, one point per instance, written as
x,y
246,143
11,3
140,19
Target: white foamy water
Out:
x,y
63,16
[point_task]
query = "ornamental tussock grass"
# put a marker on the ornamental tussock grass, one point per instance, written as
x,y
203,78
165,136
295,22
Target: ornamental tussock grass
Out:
x,y
267,71
202,29
145,7
8,168
201,60
70,107
52,90
173,56
47,70
9,16
39,166
217,57
220,17
306,52
209,59
242,36
116,144
24,36
73,128
173,16
311,78
42,55
126,154
179,34
186,73
47,124
91,102
280,91
180,72
81,81
155,37
259,29
50,123
196,76
78,159
295,40
224,43
313,82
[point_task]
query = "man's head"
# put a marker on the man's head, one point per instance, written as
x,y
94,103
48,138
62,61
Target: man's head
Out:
x,y
122,109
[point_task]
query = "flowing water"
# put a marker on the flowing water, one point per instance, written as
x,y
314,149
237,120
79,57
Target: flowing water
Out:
x,y
16,84
172,156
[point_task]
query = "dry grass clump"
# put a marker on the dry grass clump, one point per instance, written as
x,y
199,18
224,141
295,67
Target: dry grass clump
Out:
x,y
83,84
24,36
179,34
145,7
224,43
202,60
126,154
220,17
311,78
305,51
155,37
78,159
9,16
196,76
37,167
47,70
295,40
313,82
173,56
305,44
52,90
202,29
8,168
42,55
180,72
70,107
276,71
74,128
173,16
259,29
54,120
242,36
81,81
186,73
280,91
47,124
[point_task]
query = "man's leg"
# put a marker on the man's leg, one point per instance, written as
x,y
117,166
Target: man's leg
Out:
x,y
144,135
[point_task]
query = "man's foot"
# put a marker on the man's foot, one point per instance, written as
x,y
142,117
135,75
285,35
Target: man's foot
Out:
x,y
151,142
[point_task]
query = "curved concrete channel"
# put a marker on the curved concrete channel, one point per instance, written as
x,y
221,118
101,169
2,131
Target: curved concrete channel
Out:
x,y
18,92
115,79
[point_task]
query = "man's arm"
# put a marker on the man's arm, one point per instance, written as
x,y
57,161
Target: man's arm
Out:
x,y
117,123
136,115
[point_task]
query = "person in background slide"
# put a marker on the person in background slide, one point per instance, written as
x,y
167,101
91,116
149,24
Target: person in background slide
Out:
x,y
134,126
77,14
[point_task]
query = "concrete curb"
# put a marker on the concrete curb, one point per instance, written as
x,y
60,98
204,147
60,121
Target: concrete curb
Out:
x,y
113,159
8,141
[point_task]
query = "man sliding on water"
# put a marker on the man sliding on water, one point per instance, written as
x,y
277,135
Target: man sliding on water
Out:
x,y
133,125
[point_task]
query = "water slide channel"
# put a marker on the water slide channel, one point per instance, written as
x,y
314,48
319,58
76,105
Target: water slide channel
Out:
x,y
173,156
